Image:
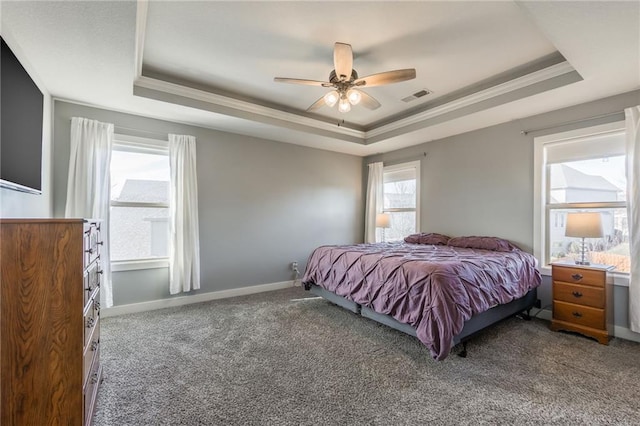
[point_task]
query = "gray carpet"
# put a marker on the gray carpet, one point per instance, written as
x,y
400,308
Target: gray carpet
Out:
x,y
265,359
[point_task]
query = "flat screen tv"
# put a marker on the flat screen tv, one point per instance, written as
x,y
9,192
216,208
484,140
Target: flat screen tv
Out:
x,y
21,126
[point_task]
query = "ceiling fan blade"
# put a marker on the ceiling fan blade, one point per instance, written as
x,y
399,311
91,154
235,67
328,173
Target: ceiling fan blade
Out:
x,y
302,81
386,78
368,101
317,104
343,61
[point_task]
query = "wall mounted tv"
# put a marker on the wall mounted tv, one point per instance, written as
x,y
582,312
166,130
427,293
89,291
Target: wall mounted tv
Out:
x,y
21,113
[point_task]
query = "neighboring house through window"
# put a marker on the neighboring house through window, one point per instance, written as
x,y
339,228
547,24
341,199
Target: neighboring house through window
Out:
x,y
139,214
402,199
582,170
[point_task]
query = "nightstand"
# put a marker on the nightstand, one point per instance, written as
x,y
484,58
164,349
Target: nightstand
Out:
x,y
582,300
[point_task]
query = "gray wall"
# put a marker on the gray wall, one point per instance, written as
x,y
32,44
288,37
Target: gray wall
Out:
x,y
481,182
463,186
262,204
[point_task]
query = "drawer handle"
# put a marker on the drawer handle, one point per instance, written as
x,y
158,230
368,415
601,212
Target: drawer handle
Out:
x,y
577,314
94,345
89,288
577,277
90,322
94,378
90,251
577,294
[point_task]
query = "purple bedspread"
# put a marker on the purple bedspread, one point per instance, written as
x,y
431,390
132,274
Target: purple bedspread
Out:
x,y
435,289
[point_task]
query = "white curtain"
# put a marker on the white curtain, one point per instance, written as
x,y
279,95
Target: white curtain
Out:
x,y
184,260
88,185
633,212
374,202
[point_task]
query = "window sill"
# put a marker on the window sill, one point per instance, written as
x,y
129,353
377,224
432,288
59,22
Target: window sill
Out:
x,y
619,278
134,265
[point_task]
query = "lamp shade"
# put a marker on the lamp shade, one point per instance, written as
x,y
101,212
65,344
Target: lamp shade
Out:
x,y
584,225
383,220
331,98
354,97
344,105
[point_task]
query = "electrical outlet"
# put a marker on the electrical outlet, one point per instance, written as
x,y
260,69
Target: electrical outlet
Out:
x,y
294,266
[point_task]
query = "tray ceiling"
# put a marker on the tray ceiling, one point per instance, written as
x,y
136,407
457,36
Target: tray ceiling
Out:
x,y
212,63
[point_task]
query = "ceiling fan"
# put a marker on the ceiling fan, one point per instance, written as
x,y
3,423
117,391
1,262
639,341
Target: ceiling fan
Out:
x,y
346,83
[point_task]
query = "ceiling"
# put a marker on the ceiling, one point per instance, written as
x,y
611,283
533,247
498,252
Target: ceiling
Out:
x,y
212,63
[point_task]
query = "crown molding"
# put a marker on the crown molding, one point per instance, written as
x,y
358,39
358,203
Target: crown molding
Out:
x,y
247,110
480,96
142,10
201,99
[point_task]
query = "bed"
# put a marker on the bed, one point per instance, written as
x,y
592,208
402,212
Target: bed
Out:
x,y
441,290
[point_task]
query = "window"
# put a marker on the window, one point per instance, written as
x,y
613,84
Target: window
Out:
x,y
139,215
582,171
401,200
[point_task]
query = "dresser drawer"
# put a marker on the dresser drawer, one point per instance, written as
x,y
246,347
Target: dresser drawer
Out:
x,y
580,276
91,317
579,294
91,388
91,243
578,314
90,352
91,281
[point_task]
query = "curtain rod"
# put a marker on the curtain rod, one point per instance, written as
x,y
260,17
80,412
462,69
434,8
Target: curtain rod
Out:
x,y
162,136
566,123
405,159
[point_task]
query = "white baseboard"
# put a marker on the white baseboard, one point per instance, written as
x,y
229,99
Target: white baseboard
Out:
x,y
625,333
618,331
544,314
187,300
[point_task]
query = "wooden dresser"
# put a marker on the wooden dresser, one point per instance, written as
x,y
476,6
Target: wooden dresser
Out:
x,y
583,300
49,321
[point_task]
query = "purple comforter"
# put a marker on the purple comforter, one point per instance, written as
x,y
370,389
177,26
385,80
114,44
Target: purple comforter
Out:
x,y
435,289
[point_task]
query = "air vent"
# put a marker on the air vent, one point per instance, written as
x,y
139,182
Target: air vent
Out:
x,y
417,95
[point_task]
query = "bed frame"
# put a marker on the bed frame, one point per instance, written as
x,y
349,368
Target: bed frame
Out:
x,y
471,327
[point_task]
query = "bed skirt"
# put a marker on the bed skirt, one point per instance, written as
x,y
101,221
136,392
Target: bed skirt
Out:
x,y
473,325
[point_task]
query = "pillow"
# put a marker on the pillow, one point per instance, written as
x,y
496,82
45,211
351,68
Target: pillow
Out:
x,y
430,238
483,243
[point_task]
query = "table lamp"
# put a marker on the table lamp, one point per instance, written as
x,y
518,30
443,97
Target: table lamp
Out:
x,y
583,225
383,220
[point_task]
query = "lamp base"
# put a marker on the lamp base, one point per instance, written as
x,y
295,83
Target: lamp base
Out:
x,y
583,260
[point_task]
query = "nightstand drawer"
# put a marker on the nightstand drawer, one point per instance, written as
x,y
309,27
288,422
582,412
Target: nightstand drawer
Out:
x,y
578,314
580,276
579,294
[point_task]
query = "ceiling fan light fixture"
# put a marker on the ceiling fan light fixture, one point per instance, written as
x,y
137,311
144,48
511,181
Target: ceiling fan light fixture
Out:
x,y
344,105
354,96
346,82
331,98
